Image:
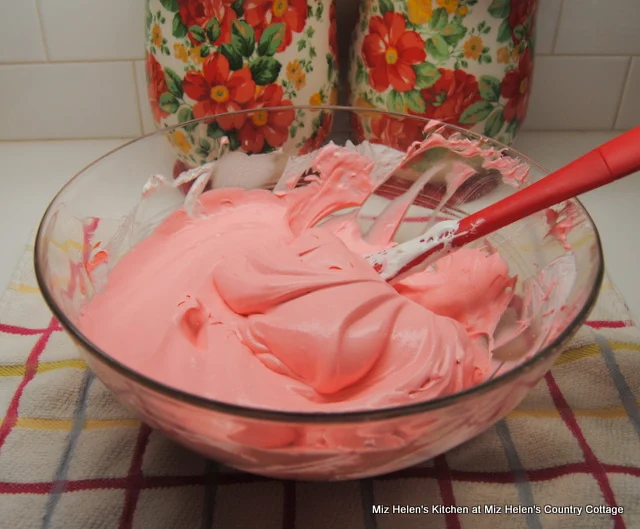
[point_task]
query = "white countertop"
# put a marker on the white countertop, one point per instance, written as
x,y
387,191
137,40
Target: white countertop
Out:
x,y
32,172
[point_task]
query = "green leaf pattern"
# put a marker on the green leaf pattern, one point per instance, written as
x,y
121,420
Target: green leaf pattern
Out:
x,y
489,87
243,38
170,5
233,56
197,33
494,123
265,70
174,82
169,103
271,38
213,30
386,6
179,29
413,100
438,48
500,8
426,74
395,101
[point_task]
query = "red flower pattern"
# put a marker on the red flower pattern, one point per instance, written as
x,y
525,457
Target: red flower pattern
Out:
x,y
263,13
520,12
317,139
516,87
398,133
390,51
200,12
218,90
451,94
156,86
356,127
263,126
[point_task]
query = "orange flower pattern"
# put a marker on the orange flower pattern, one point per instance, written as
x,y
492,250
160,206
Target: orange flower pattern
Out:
x,y
449,5
473,47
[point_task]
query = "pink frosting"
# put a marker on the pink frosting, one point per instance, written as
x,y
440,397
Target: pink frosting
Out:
x,y
562,220
265,300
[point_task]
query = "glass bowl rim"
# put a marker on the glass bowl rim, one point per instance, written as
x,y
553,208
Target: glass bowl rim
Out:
x,y
343,417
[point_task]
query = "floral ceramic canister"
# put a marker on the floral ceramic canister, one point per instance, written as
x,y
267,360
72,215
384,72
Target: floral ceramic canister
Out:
x,y
464,62
207,57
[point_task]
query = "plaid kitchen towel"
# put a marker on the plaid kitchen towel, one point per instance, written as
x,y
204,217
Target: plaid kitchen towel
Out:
x,y
72,458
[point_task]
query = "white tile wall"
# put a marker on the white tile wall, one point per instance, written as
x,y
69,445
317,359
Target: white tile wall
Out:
x,y
629,115
583,91
18,19
92,30
547,25
73,68
148,124
68,100
590,27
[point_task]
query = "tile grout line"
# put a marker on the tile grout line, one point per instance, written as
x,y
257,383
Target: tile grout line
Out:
x,y
554,42
129,138
625,86
41,26
129,59
566,131
137,94
86,138
582,55
69,61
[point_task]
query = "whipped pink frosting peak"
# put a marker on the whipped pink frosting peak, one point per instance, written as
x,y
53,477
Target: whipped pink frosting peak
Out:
x,y
342,180
259,302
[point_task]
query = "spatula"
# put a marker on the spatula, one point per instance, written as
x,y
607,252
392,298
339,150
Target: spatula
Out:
x,y
603,165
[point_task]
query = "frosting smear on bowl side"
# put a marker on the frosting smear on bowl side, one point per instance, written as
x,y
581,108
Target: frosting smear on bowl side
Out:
x,y
264,299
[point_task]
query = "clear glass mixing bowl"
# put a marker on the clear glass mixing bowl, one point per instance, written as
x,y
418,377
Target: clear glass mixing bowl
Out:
x,y
317,446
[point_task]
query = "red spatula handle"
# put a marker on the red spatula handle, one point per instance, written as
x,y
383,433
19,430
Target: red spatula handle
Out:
x,y
611,161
